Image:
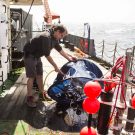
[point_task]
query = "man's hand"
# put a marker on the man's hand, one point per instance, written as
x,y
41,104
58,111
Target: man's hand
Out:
x,y
72,58
49,58
68,56
58,70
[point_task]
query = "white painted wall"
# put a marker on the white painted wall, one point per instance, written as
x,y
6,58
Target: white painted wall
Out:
x,y
4,39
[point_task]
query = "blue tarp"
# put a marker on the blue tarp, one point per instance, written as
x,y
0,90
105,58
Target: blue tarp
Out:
x,y
69,88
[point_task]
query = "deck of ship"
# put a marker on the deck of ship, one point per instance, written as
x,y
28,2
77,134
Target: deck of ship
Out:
x,y
13,104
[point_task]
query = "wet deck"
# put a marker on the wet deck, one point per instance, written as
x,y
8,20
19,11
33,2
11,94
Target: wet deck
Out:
x,y
13,106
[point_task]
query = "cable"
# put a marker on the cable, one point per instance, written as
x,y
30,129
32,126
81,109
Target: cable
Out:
x,y
13,41
45,82
47,76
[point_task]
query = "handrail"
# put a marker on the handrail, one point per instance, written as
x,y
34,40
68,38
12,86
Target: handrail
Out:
x,y
102,48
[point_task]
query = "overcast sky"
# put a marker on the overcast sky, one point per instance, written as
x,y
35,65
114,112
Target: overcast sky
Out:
x,y
80,11
95,10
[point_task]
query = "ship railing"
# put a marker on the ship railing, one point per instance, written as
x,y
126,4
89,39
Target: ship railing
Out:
x,y
108,52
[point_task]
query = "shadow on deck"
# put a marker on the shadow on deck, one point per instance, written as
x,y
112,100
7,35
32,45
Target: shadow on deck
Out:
x,y
13,108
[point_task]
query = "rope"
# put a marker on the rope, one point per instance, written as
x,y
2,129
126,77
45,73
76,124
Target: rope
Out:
x,y
99,51
121,48
99,42
111,50
45,82
118,53
99,46
108,56
110,44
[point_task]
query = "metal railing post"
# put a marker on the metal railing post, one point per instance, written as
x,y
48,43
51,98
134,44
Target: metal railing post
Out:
x,y
103,49
114,53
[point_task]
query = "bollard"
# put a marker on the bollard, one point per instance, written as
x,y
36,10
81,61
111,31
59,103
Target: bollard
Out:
x,y
104,113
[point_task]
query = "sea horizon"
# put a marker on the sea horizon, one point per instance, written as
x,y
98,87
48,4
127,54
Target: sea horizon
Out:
x,y
122,33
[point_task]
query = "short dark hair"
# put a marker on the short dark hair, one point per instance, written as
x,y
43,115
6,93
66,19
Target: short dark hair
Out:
x,y
61,28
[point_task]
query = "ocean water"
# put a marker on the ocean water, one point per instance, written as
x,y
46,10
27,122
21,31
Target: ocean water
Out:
x,y
122,33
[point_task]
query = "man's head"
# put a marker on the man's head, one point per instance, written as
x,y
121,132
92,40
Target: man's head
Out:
x,y
59,32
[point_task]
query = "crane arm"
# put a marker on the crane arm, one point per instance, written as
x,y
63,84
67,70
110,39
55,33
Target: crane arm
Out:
x,y
48,15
